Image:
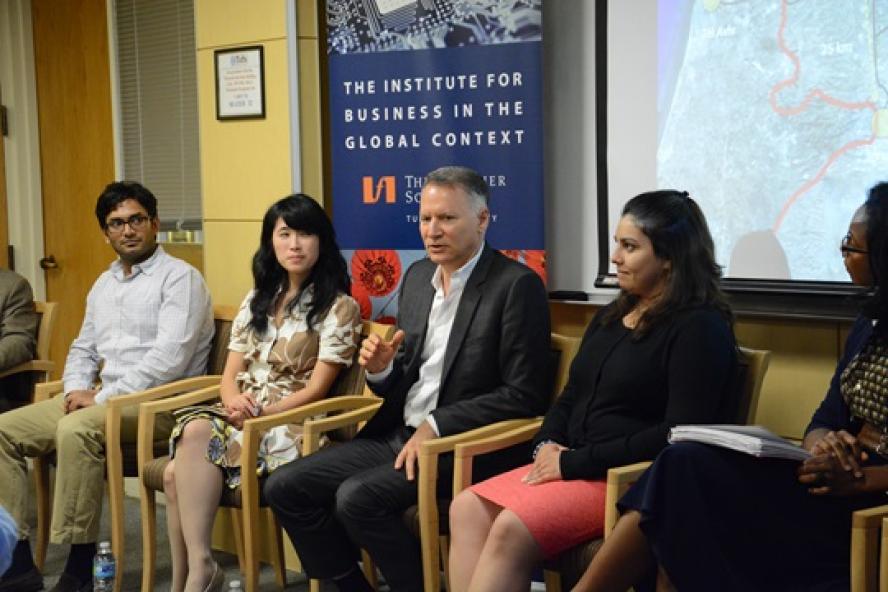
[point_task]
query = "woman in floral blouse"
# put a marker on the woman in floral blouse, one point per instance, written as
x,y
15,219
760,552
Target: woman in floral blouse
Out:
x,y
294,332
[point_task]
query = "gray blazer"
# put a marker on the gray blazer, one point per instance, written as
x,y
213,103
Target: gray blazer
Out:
x,y
496,365
18,321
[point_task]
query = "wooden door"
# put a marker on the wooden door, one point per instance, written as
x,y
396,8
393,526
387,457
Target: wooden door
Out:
x,y
76,150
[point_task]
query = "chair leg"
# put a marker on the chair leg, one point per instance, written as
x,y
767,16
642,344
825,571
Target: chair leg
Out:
x,y
118,544
369,569
251,561
277,551
43,487
553,580
238,538
314,585
444,545
148,507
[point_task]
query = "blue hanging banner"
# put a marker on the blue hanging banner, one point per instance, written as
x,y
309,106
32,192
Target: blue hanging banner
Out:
x,y
419,84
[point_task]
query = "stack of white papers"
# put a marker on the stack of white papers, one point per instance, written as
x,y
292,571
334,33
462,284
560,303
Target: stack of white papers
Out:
x,y
754,440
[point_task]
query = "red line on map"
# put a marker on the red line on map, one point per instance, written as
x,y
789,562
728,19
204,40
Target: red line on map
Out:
x,y
819,176
802,107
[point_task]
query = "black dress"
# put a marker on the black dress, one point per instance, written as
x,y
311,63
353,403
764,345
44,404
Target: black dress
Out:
x,y
722,520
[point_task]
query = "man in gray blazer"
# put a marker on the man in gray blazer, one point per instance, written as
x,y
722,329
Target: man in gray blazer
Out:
x,y
472,348
18,337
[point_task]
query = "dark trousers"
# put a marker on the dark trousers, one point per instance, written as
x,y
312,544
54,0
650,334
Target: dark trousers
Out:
x,y
349,494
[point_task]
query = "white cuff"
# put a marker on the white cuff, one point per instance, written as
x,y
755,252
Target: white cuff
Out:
x,y
381,375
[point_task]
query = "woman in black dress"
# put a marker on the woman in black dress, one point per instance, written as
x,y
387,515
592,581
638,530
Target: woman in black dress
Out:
x,y
714,519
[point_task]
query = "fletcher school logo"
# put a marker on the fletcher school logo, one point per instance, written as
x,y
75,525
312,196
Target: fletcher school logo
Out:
x,y
385,186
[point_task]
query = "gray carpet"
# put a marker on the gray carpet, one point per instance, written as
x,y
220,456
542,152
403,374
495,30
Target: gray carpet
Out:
x,y
132,568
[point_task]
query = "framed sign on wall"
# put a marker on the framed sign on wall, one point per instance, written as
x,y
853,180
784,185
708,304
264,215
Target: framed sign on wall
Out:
x,y
240,83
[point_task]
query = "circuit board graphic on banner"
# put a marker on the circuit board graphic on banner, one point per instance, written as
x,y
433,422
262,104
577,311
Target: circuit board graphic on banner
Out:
x,y
415,85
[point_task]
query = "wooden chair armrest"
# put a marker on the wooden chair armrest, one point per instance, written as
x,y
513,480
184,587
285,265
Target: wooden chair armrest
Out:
x,y
619,479
194,397
865,556
47,390
29,366
869,517
313,428
163,391
354,408
300,414
255,426
436,446
465,453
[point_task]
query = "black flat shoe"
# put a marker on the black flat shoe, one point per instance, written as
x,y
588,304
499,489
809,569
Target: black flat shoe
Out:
x,y
30,581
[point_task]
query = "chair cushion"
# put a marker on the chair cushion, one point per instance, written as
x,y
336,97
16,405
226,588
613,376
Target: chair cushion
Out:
x,y
152,473
411,518
572,563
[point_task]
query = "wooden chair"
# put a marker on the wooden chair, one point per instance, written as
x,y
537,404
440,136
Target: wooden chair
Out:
x,y
120,457
38,369
427,521
869,551
345,407
570,566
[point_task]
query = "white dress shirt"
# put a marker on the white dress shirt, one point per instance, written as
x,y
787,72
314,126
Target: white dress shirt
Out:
x,y
148,328
422,397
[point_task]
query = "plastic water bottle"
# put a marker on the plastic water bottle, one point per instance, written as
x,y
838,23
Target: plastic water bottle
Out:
x,y
104,569
234,586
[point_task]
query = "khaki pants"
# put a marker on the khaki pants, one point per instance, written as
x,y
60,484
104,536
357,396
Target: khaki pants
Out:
x,y
79,441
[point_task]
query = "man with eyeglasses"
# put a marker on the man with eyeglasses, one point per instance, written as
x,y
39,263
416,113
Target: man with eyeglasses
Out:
x,y
148,321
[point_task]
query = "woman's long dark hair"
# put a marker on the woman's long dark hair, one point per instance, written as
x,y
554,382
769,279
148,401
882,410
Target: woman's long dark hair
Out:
x,y
679,234
329,275
877,244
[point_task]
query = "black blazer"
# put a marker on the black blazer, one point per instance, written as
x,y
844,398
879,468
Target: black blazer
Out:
x,y
496,363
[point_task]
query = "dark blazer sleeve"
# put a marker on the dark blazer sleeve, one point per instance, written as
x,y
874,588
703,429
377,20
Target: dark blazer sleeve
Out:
x,y
700,365
18,324
413,322
523,382
833,413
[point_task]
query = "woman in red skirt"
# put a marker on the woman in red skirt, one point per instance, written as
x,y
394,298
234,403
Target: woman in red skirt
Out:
x,y
661,354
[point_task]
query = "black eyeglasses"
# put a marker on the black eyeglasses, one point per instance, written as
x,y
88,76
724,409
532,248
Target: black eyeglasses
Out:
x,y
136,222
847,249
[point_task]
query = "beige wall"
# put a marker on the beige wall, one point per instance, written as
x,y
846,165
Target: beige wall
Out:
x,y
245,164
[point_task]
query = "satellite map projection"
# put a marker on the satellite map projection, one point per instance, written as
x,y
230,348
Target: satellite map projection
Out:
x,y
774,114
